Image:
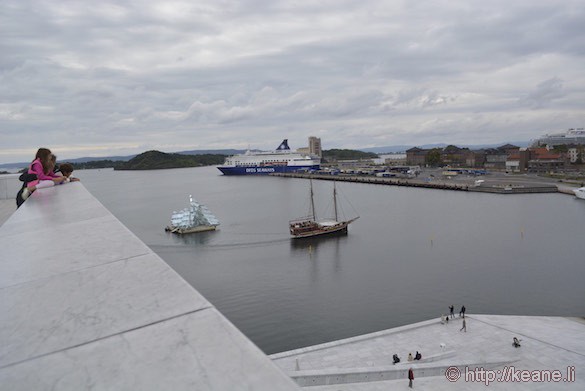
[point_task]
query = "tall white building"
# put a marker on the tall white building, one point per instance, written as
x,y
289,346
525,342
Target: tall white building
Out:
x,y
575,151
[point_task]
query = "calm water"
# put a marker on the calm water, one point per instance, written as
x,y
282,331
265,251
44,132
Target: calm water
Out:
x,y
412,253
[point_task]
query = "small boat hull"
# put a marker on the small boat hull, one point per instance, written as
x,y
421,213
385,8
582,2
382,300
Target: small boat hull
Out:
x,y
313,229
580,193
199,228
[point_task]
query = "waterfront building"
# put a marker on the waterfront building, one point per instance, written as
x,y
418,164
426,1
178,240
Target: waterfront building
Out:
x,y
454,156
394,159
416,156
513,162
315,146
475,158
536,160
355,164
543,160
571,136
576,154
496,158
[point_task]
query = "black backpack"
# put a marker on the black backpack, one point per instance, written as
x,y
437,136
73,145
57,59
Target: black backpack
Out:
x,y
25,179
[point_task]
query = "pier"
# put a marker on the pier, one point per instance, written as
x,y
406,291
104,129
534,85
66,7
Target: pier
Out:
x,y
437,184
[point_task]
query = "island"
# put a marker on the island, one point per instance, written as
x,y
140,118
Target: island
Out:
x,y
156,160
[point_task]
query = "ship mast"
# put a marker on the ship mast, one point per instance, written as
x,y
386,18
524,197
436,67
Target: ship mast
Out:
x,y
312,202
335,200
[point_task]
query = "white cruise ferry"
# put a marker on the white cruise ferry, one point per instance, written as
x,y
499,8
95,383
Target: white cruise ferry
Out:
x,y
266,162
572,136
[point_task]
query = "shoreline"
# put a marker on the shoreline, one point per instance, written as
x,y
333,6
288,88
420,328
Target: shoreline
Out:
x,y
498,188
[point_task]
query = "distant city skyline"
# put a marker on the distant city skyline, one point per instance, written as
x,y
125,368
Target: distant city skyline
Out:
x,y
117,78
381,150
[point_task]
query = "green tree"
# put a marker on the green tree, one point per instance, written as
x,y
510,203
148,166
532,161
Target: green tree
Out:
x,y
346,154
451,149
433,157
579,157
156,160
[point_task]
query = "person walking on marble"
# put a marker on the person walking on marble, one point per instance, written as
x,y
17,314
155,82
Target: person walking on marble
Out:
x,y
464,328
451,309
462,312
410,377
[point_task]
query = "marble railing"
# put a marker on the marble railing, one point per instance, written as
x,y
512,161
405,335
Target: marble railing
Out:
x,y
9,186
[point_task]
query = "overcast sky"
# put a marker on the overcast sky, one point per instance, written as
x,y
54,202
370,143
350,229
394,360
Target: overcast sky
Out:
x,y
99,78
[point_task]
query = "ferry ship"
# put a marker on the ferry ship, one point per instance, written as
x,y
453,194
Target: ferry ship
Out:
x,y
267,162
572,136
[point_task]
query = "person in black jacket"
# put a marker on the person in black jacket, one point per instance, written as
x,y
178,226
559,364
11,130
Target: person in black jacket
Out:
x,y
25,179
395,359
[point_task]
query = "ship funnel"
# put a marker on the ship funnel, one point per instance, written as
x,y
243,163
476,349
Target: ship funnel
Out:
x,y
283,146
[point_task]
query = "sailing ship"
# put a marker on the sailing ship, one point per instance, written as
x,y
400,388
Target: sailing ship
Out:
x,y
196,218
309,226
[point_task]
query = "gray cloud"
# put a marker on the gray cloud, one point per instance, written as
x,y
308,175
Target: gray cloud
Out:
x,y
113,77
544,93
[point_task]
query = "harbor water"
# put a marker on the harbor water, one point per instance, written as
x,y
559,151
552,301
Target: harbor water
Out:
x,y
412,253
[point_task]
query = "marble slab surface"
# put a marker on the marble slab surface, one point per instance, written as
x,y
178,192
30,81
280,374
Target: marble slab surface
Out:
x,y
199,351
54,206
64,248
53,314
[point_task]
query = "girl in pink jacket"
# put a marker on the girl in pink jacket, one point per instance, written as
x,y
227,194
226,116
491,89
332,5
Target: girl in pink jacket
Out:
x,y
42,167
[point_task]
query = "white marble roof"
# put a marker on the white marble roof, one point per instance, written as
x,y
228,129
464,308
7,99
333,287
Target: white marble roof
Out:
x,y
85,304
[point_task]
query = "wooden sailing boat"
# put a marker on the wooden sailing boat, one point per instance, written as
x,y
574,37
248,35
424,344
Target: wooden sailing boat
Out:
x,y
309,226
